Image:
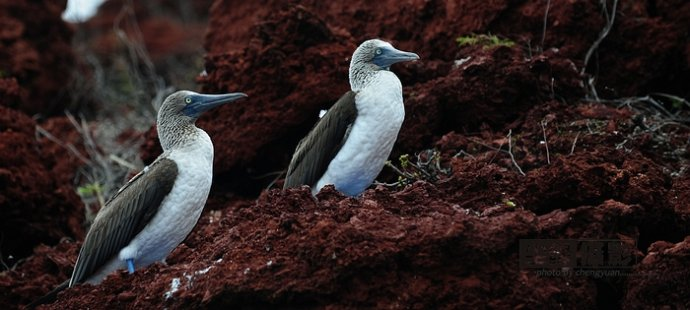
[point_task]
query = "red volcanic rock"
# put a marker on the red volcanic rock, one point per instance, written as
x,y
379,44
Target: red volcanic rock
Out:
x,y
662,279
37,201
35,56
11,93
467,96
382,250
627,64
679,195
38,274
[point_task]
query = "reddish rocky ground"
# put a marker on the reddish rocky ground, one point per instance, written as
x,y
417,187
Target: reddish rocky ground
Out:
x,y
37,202
523,155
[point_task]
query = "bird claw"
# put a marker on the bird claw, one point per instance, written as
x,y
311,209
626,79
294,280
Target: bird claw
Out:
x,y
130,265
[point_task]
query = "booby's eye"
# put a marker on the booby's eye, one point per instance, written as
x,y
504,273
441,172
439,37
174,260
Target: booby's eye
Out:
x,y
188,100
378,51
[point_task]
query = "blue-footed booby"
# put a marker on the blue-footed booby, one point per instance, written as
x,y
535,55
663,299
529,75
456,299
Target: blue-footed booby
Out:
x,y
350,144
156,210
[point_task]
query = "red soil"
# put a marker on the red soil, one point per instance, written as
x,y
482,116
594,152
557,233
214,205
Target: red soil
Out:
x,y
609,172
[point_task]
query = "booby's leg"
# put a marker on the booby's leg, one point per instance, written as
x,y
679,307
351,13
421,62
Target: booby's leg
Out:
x,y
130,265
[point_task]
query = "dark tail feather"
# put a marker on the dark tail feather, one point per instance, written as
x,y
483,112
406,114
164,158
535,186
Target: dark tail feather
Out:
x,y
48,298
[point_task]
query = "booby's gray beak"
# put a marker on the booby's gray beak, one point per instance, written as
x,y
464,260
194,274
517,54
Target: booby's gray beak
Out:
x,y
386,56
202,103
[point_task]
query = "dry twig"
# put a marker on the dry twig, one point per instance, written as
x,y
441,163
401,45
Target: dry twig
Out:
x,y
572,148
510,151
543,30
610,18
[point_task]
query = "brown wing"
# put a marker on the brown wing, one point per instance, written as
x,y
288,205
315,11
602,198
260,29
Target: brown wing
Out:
x,y
319,147
124,216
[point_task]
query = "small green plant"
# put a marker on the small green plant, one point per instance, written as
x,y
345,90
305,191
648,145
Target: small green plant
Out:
x,y
426,166
89,190
486,40
92,196
509,203
677,104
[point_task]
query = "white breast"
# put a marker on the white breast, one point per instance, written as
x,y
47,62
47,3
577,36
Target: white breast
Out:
x,y
380,113
181,209
178,213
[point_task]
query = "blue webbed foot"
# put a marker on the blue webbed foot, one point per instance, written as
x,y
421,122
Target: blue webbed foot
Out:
x,y
130,265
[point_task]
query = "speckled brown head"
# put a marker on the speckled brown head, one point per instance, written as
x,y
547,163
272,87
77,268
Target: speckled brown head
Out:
x,y
180,111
